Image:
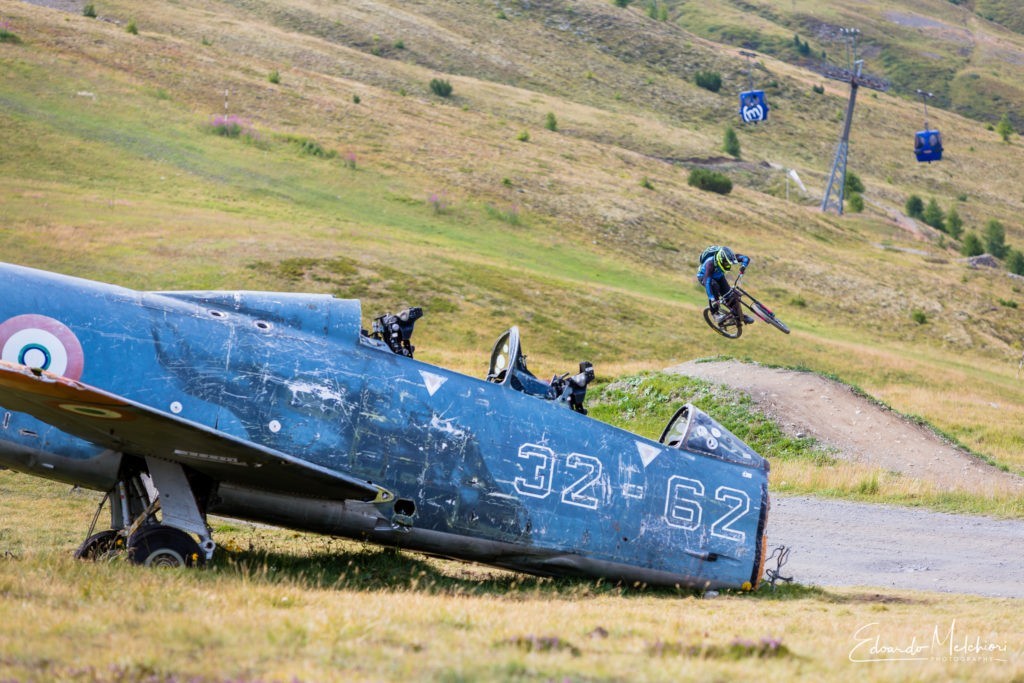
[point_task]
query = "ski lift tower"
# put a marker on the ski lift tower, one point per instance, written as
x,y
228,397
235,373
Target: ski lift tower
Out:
x,y
852,74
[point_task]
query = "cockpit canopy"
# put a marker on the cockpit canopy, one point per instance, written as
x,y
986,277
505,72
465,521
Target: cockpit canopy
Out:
x,y
508,366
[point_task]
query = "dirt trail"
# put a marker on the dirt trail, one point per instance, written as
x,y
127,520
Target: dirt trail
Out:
x,y
842,543
859,430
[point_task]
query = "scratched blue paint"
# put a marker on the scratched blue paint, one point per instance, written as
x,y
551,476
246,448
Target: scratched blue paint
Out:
x,y
478,461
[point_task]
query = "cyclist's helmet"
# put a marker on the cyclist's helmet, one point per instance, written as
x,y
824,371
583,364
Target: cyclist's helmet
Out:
x,y
725,258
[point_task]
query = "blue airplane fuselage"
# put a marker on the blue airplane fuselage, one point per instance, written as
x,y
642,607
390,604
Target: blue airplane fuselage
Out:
x,y
478,470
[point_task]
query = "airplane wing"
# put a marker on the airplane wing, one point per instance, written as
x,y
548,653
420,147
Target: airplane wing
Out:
x,y
117,423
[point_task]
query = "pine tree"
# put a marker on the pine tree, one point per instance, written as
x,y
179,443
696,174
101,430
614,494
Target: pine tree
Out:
x,y
1004,128
972,245
914,206
995,239
954,224
731,144
1015,262
933,215
853,183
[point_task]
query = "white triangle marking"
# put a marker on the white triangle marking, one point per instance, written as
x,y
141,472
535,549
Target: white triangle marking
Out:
x,y
432,381
647,452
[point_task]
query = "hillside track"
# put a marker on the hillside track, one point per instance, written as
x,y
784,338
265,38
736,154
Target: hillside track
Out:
x,y
858,429
843,543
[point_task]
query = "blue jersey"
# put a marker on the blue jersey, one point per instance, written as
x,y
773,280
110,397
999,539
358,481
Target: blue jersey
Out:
x,y
709,273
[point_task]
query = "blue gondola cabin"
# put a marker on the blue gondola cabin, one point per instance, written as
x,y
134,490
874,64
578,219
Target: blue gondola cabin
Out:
x,y
928,145
753,106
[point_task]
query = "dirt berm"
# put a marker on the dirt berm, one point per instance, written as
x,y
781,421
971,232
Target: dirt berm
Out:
x,y
845,543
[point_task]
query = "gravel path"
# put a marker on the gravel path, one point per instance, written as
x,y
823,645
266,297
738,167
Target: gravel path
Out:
x,y
841,543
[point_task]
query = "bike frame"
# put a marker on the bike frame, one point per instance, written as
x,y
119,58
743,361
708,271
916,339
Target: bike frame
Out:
x,y
754,306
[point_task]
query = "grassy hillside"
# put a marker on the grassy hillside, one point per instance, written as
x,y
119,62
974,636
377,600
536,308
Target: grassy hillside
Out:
x,y
967,54
350,176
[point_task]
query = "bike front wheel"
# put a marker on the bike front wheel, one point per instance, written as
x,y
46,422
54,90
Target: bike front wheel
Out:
x,y
764,314
730,327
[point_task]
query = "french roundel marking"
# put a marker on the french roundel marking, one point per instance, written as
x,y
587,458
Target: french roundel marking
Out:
x,y
91,411
41,342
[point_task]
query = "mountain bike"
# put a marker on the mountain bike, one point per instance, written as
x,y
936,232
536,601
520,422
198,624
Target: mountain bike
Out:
x,y
731,325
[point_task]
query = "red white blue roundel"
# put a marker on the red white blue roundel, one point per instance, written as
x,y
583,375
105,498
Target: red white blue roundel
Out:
x,y
41,342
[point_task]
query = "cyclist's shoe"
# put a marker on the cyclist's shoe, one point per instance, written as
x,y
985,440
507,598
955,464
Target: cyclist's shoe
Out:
x,y
720,317
747,320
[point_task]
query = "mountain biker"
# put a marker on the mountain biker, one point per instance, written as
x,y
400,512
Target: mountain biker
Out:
x,y
716,261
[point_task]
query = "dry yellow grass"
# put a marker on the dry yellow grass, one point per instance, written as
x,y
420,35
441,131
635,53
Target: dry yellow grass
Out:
x,y
282,606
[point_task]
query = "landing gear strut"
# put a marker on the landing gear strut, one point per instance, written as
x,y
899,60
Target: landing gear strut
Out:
x,y
135,529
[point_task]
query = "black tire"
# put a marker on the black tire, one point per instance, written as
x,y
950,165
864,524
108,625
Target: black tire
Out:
x,y
100,546
730,328
768,317
163,546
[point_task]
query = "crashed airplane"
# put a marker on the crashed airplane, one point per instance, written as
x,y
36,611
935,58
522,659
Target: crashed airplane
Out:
x,y
279,408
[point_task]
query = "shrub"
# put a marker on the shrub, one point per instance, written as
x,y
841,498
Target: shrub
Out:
x,y
919,317
801,46
89,10
645,183
437,201
914,206
820,89
5,33
132,28
711,181
972,245
709,80
1009,303
657,10
274,77
731,142
440,87
855,200
1004,128
954,224
399,44
853,183
311,147
356,99
995,239
622,3
1015,263
933,215
524,136
550,122
231,126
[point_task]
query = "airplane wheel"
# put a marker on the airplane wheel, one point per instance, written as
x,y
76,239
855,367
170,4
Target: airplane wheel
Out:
x,y
100,546
164,546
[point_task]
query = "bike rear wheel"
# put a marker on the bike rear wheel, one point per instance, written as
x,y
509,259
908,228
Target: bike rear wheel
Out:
x,y
730,327
764,314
